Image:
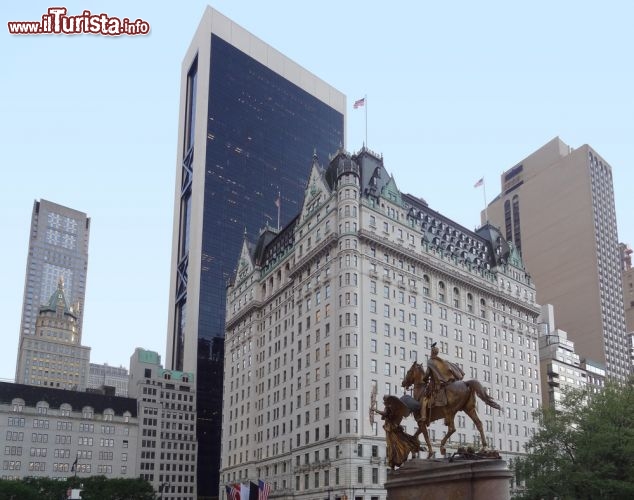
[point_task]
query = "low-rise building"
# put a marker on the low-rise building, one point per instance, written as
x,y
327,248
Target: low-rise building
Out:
x,y
560,365
56,433
595,375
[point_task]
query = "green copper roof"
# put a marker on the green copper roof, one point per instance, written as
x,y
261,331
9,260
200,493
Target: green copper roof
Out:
x,y
391,192
58,299
176,375
515,259
149,357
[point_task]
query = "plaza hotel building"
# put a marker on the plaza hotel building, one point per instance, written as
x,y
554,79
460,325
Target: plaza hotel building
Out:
x,y
344,299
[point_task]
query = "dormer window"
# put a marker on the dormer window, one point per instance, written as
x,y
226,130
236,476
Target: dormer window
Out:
x,y
64,410
17,405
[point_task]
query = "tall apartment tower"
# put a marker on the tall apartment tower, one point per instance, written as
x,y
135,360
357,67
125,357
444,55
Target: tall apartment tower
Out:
x,y
249,117
344,299
58,250
557,206
628,285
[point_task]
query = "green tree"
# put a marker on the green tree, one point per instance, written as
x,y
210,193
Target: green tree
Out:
x,y
93,488
100,488
584,449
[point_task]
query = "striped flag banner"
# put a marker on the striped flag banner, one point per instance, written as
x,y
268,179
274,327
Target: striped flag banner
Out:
x,y
264,489
359,103
232,492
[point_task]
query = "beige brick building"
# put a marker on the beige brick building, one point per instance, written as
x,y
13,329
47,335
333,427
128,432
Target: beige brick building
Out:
x,y
557,206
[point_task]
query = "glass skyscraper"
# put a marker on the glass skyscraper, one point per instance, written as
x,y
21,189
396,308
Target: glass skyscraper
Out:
x,y
58,250
250,122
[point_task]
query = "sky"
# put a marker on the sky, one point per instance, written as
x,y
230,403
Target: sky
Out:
x,y
456,91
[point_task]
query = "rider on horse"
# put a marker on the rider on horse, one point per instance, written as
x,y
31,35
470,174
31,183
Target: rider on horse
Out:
x,y
439,374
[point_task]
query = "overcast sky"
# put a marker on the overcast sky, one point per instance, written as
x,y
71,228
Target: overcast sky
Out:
x,y
456,91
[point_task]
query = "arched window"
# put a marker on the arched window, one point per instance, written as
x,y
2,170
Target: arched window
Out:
x,y
425,285
42,408
456,297
87,412
108,414
441,291
65,409
17,405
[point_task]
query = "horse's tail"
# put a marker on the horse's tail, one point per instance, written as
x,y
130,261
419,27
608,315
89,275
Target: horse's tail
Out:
x,y
476,387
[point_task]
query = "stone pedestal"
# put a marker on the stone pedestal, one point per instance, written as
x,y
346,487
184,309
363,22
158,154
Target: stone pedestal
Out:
x,y
460,480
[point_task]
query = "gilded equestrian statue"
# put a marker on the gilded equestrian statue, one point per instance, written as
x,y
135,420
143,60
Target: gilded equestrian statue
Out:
x,y
442,393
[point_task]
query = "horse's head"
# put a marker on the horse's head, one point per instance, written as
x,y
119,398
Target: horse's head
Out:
x,y
412,376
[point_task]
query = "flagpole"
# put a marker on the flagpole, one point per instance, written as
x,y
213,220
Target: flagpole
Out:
x,y
484,194
365,98
279,204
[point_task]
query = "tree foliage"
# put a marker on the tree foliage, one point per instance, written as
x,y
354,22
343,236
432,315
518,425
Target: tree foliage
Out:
x,y
584,450
93,488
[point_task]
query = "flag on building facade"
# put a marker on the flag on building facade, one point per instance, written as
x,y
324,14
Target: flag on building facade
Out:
x,y
359,103
244,491
253,491
233,493
263,490
479,183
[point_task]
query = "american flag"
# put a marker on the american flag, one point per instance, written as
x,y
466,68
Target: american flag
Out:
x,y
263,490
359,103
232,492
278,200
479,183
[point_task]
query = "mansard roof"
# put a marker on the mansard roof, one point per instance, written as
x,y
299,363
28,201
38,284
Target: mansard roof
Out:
x,y
32,394
484,248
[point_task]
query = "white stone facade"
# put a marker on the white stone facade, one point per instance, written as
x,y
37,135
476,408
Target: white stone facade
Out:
x,y
344,299
44,430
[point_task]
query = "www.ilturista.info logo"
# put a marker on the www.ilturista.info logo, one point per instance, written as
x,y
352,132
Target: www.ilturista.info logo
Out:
x,y
57,22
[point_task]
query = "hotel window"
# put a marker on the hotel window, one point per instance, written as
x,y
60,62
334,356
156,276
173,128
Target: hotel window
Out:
x,y
456,297
441,291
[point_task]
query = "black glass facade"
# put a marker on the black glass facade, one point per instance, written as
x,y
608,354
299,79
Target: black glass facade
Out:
x,y
262,131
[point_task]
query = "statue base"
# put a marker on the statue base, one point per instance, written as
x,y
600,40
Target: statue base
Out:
x,y
457,480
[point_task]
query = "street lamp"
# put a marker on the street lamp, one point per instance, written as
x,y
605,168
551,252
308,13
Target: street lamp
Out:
x,y
163,487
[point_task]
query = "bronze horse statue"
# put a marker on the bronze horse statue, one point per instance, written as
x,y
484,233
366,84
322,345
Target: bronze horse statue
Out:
x,y
460,397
